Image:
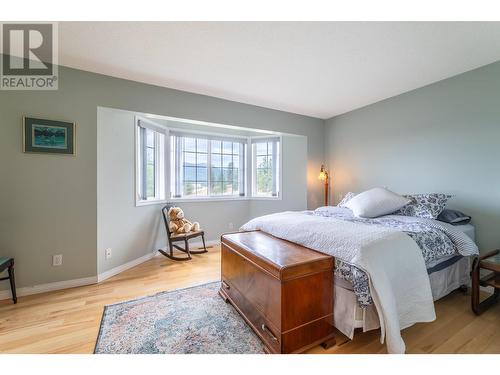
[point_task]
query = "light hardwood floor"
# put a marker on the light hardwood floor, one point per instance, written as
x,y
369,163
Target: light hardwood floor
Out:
x,y
68,321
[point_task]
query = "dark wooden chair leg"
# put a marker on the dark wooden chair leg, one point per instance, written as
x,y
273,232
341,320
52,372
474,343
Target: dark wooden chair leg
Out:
x,y
12,282
203,240
186,246
171,255
204,246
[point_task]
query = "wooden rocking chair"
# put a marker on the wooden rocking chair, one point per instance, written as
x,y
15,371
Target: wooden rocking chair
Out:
x,y
184,237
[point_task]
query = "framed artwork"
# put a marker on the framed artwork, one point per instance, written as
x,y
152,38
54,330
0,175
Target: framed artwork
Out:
x,y
48,136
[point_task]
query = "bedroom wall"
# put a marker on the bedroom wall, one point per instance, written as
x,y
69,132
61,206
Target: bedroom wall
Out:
x,y
132,232
439,138
49,203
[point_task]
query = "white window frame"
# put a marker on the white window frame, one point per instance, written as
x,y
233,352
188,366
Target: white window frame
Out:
x,y
277,168
212,136
161,170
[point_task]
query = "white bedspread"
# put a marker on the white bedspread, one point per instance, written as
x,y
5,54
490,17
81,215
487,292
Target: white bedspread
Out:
x,y
399,284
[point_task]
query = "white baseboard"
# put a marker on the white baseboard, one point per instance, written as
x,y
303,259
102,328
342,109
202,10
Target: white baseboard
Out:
x,y
49,287
115,271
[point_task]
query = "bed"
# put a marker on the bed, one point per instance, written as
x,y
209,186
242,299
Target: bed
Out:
x,y
388,270
446,275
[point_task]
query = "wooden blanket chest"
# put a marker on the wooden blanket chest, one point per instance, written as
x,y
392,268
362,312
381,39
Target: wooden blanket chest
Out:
x,y
283,290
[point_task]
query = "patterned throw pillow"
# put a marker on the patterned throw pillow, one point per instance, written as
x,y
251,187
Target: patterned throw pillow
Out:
x,y
424,205
346,199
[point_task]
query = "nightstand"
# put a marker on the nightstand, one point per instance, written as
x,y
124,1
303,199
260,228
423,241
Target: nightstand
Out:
x,y
490,263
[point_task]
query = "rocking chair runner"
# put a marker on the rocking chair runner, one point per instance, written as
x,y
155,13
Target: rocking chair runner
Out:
x,y
184,237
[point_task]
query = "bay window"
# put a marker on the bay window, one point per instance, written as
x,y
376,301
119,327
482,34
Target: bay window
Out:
x,y
173,164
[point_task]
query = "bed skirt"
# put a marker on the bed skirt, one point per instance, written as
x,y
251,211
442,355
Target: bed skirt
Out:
x,y
348,315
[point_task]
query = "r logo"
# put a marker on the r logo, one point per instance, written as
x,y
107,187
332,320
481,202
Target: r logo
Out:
x,y
27,49
29,56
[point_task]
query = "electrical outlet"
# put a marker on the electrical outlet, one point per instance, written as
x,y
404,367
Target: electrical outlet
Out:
x,y
108,253
57,260
230,226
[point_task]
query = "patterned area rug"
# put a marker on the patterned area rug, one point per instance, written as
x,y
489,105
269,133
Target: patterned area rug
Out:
x,y
192,320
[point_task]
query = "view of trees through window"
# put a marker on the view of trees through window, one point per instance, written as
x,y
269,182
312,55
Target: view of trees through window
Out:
x,y
264,167
223,176
195,165
182,164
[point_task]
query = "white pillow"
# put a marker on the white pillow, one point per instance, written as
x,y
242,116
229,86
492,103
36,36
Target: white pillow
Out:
x,y
376,202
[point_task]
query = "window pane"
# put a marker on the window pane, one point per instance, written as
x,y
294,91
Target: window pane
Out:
x,y
227,188
189,173
193,174
150,155
190,144
150,181
236,161
227,147
216,174
216,160
227,174
216,188
236,148
262,162
201,160
202,145
189,159
202,189
236,184
201,174
189,189
261,148
264,181
227,161
216,147
150,138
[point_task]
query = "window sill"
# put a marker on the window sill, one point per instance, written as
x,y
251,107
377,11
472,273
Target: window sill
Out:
x,y
150,203
199,200
221,199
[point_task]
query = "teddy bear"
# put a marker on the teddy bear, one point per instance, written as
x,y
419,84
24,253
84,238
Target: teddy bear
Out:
x,y
178,224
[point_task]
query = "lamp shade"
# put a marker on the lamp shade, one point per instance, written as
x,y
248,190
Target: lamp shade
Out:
x,y
323,175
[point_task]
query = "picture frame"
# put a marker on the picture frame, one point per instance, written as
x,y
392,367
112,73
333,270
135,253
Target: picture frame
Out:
x,y
44,136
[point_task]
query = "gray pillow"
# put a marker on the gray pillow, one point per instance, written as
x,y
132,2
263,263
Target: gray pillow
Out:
x,y
454,217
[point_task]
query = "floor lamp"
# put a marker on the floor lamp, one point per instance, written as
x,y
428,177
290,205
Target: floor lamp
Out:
x,y
323,176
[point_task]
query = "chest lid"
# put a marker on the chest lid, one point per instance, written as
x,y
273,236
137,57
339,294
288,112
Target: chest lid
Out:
x,y
282,259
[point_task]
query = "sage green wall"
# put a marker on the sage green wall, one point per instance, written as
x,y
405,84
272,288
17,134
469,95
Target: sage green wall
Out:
x,y
440,138
49,203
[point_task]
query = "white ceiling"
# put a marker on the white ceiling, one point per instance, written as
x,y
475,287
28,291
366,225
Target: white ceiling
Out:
x,y
319,69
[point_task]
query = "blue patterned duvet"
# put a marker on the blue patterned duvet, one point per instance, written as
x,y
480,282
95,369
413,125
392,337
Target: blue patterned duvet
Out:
x,y
436,240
